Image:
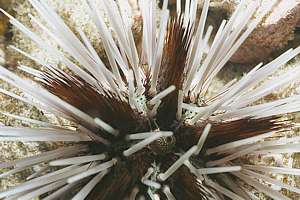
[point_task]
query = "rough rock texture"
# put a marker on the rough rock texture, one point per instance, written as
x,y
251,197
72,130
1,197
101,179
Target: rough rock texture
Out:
x,y
276,29
274,32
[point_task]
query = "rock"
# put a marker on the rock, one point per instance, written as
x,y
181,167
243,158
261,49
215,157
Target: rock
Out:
x,y
274,32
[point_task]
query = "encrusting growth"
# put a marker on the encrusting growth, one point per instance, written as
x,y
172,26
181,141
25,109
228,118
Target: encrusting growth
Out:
x,y
144,124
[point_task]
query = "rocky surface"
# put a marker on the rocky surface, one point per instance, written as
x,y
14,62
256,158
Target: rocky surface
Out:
x,y
274,32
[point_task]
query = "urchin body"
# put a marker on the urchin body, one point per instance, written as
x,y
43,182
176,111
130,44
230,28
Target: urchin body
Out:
x,y
144,124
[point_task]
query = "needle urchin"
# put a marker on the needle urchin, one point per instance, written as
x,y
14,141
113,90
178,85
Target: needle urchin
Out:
x,y
144,123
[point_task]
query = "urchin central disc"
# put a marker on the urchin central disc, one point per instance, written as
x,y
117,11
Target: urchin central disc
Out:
x,y
163,145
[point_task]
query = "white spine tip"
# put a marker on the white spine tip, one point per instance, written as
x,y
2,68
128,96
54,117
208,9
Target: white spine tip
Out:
x,y
162,177
106,127
161,95
177,164
202,138
140,145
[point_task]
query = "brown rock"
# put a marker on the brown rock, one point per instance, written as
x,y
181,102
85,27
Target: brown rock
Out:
x,y
273,33
276,29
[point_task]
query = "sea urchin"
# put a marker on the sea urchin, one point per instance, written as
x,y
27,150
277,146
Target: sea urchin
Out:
x,y
144,124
